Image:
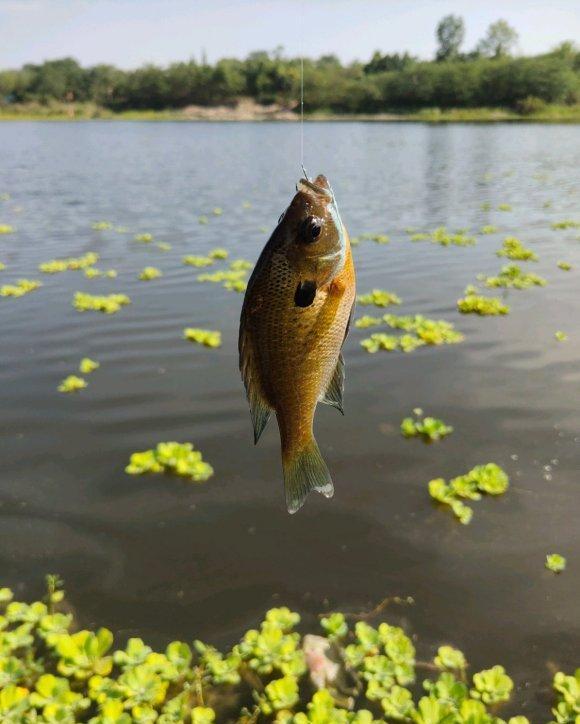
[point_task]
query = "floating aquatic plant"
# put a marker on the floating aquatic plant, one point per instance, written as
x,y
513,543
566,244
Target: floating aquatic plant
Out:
x,y
566,224
561,336
2,266
377,238
513,248
217,211
173,457
485,206
488,229
378,298
556,563
367,321
474,303
231,280
198,261
203,336
150,272
144,238
22,287
102,225
69,677
203,219
56,266
218,253
419,331
109,304
443,237
163,246
88,365
72,383
564,265
241,265
92,272
512,276
6,229
504,207
429,429
489,479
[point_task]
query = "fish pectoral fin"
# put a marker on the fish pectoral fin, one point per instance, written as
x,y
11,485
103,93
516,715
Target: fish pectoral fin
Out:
x,y
260,413
335,390
305,293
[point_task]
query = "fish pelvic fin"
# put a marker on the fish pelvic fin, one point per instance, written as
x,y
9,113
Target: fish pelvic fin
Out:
x,y
305,471
335,390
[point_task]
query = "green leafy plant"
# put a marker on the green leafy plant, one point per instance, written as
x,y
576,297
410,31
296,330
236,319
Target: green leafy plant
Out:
x,y
198,261
163,246
72,383
102,225
513,248
512,276
205,337
69,264
555,562
561,336
474,303
419,330
22,287
109,304
6,229
489,479
492,686
88,365
218,253
443,237
566,224
378,298
488,229
429,429
564,265
178,458
149,273
504,207
144,238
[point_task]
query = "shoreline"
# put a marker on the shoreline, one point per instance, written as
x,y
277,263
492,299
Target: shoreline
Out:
x,y
255,113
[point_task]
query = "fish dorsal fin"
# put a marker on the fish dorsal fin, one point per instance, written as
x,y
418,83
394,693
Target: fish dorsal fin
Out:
x,y
259,409
334,392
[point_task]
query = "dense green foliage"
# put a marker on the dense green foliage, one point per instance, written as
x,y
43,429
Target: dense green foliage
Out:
x,y
50,672
485,77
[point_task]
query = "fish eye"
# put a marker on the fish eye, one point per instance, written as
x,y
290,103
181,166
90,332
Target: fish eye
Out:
x,y
309,230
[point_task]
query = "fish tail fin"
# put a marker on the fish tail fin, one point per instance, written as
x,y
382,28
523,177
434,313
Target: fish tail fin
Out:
x,y
305,471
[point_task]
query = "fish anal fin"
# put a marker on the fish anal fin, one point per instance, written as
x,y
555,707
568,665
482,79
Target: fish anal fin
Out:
x,y
334,392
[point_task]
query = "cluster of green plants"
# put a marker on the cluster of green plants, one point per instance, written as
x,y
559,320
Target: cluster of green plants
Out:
x,y
22,287
145,238
171,457
92,273
443,237
512,276
489,479
566,224
345,674
2,266
555,563
377,238
56,266
205,337
197,261
561,336
6,229
429,429
418,332
504,207
74,383
512,248
378,298
564,265
149,273
234,280
488,229
474,303
109,303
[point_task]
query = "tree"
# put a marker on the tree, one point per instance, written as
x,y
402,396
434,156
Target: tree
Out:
x,y
499,40
450,34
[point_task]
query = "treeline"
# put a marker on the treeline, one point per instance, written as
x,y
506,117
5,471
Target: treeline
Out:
x,y
487,76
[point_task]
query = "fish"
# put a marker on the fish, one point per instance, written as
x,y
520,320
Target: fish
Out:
x,y
294,320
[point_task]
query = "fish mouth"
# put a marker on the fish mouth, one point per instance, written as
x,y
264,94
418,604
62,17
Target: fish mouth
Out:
x,y
319,186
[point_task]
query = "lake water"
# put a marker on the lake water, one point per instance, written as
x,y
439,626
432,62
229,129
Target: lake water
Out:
x,y
161,558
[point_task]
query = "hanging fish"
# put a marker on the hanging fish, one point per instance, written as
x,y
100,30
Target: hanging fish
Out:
x,y
294,321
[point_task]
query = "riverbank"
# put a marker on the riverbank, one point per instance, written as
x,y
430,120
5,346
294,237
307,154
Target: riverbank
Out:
x,y
250,111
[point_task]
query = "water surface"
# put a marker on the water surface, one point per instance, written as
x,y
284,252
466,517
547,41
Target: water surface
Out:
x,y
163,559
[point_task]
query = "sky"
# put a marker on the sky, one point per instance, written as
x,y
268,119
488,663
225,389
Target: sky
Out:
x,y
129,33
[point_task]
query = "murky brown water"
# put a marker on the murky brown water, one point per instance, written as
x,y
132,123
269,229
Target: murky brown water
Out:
x,y
159,558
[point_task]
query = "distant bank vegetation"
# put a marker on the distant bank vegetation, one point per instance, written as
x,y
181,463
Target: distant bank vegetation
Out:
x,y
488,77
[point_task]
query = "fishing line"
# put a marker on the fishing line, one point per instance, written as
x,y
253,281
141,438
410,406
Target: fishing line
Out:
x,y
301,29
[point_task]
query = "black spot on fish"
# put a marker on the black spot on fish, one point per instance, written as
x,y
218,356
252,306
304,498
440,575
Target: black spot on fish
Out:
x,y
305,293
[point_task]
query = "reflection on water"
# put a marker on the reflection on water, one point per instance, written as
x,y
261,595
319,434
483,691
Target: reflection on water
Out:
x,y
165,559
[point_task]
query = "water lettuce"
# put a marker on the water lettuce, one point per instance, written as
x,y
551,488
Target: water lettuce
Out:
x,y
429,429
489,479
512,276
71,263
555,562
173,457
144,238
203,336
566,224
6,229
22,287
72,383
150,272
109,304
512,248
474,303
564,265
561,336
88,365
443,237
378,298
